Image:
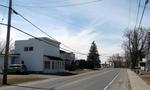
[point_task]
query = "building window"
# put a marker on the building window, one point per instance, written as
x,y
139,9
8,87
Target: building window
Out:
x,y
28,49
25,48
13,60
47,65
58,65
63,64
52,65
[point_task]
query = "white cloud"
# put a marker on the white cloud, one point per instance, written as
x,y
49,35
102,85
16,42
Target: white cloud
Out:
x,y
58,23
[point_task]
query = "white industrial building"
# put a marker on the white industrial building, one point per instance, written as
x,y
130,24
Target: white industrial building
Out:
x,y
39,56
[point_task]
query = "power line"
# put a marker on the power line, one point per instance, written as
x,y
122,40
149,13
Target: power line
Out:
x,y
41,30
66,5
33,24
28,21
137,16
39,38
4,6
146,2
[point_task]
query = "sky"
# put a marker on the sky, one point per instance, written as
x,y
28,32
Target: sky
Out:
x,y
76,23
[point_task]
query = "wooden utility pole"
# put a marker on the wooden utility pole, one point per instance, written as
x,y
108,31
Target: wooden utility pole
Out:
x,y
7,44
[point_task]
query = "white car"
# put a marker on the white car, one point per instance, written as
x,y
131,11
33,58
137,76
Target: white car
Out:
x,y
17,68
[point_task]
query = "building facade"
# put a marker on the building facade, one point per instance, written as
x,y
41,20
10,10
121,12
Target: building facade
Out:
x,y
39,56
68,57
145,64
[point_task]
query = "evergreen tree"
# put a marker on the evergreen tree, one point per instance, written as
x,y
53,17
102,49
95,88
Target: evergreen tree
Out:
x,y
93,60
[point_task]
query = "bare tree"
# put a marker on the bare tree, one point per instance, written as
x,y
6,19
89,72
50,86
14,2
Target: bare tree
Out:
x,y
3,44
135,45
117,60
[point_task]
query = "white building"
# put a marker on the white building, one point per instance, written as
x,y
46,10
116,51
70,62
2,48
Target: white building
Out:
x,y
145,63
37,55
68,57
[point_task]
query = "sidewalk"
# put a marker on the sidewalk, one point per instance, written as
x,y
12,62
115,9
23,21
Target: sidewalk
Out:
x,y
136,82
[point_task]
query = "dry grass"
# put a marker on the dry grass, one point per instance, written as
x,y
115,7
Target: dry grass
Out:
x,y
22,80
17,79
146,78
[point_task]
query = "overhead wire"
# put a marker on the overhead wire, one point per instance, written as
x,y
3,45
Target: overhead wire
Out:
x,y
65,5
42,30
33,24
137,15
146,2
38,38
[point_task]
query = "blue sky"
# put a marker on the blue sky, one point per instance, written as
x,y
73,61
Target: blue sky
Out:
x,y
77,26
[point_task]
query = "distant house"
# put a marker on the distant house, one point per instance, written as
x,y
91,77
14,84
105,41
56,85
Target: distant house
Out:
x,y
39,56
68,57
145,63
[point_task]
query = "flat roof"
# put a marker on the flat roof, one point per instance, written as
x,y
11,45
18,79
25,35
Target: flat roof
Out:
x,y
53,57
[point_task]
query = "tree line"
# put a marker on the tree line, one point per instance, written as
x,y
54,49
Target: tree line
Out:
x,y
136,46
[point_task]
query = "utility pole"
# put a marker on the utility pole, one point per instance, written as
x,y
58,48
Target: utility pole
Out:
x,y
7,44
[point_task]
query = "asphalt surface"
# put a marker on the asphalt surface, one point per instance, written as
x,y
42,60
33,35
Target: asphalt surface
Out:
x,y
121,82
97,80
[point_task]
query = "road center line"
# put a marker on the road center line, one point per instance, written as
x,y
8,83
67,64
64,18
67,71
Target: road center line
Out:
x,y
83,79
111,81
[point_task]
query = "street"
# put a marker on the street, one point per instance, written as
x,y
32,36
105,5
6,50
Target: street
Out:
x,y
105,79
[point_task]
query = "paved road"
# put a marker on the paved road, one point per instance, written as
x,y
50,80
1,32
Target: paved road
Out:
x,y
97,80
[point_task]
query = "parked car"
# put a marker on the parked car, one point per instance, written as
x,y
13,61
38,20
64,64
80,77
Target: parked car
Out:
x,y
17,68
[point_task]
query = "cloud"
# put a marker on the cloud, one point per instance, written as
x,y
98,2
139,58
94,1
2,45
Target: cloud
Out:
x,y
80,41
78,26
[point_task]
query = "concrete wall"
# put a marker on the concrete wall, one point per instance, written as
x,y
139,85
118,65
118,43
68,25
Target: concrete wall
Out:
x,y
50,50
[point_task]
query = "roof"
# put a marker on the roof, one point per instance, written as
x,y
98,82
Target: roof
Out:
x,y
53,57
61,51
47,39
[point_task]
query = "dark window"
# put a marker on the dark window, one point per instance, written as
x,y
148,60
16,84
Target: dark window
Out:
x,y
47,65
52,65
30,48
13,61
25,48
